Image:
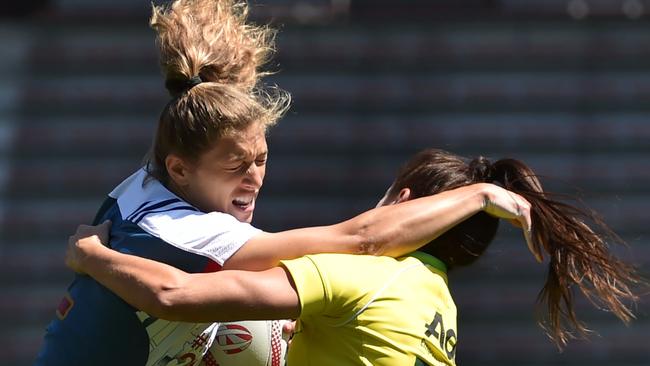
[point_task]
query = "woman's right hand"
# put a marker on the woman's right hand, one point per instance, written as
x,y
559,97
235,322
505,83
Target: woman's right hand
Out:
x,y
83,242
510,206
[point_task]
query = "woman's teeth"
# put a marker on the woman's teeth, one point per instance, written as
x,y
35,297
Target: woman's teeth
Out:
x,y
242,201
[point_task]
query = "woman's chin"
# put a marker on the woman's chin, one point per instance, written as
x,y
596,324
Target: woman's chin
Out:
x,y
243,213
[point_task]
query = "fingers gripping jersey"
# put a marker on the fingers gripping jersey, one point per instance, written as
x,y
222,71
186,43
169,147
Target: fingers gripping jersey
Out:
x,y
95,327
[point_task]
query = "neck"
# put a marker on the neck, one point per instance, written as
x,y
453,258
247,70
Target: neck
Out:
x,y
179,191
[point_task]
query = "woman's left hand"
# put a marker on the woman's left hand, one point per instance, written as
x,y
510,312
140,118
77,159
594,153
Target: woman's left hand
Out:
x,y
86,239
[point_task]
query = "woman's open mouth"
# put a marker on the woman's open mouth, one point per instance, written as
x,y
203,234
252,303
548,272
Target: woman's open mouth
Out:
x,y
244,203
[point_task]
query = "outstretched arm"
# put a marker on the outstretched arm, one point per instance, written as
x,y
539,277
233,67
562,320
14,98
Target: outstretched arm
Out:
x,y
392,230
169,293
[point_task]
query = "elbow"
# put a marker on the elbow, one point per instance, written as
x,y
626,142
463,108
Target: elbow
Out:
x,y
369,246
366,242
378,239
162,306
164,303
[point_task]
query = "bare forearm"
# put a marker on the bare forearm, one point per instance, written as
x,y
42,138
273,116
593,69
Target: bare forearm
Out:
x,y
138,281
233,295
268,249
169,293
399,229
390,230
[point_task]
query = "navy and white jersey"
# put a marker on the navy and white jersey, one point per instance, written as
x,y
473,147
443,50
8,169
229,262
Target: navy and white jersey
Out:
x,y
95,327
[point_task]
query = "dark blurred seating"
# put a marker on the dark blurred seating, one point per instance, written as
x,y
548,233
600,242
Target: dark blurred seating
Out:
x,y
25,8
372,82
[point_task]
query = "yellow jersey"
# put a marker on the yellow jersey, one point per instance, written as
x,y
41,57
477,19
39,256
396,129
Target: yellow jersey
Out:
x,y
367,310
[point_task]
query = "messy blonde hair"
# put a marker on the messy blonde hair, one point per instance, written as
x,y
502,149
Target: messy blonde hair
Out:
x,y
211,59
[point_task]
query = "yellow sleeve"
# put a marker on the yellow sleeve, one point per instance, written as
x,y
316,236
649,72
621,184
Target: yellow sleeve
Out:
x,y
310,285
333,284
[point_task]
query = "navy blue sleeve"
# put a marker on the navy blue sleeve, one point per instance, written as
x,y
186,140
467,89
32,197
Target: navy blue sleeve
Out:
x,y
95,327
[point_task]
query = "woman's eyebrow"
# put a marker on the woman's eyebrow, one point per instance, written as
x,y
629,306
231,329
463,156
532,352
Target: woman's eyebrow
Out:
x,y
235,156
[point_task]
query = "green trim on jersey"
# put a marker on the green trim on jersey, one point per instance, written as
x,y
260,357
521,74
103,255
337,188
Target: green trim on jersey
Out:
x,y
430,260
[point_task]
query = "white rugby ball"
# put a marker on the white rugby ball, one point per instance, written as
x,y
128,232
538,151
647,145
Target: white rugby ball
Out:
x,y
248,343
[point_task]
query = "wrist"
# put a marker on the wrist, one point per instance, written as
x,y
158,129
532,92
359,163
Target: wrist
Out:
x,y
88,248
484,194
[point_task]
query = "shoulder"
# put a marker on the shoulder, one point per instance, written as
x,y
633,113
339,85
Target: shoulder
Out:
x,y
140,195
344,267
331,284
144,202
184,226
351,264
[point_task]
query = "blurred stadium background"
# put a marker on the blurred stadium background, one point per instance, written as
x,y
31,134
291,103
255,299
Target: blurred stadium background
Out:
x,y
563,85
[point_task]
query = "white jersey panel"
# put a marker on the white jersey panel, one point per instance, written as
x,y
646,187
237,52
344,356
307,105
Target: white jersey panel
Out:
x,y
215,235
177,343
147,203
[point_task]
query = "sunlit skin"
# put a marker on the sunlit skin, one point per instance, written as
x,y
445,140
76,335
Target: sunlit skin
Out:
x,y
226,178
403,195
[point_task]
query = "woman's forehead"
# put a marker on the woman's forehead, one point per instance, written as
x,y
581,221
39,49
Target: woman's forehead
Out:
x,y
241,145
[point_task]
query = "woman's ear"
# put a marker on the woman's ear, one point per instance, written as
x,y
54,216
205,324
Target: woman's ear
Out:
x,y
404,195
177,170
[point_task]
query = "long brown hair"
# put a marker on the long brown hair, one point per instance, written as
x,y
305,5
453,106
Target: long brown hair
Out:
x,y
578,255
211,59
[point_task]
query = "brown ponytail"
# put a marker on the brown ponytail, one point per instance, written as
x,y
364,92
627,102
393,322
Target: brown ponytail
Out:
x,y
578,256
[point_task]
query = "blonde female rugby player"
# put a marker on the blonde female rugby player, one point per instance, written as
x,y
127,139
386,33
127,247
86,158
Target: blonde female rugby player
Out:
x,y
192,204
365,310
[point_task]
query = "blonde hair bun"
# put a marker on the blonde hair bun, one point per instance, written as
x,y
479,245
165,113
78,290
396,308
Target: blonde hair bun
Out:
x,y
210,39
